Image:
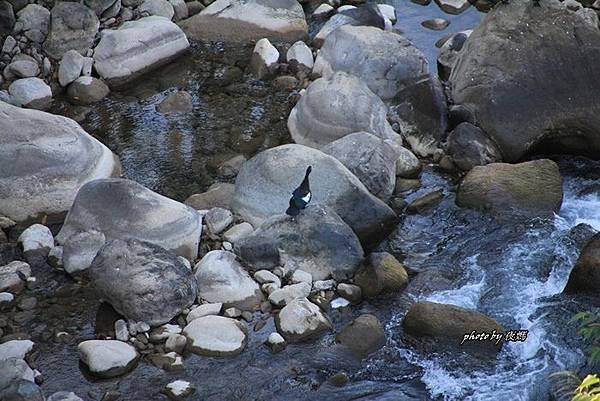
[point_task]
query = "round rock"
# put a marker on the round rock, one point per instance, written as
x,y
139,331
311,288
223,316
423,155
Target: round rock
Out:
x,y
108,358
216,336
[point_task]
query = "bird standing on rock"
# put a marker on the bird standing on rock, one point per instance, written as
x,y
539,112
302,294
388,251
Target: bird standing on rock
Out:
x,y
301,196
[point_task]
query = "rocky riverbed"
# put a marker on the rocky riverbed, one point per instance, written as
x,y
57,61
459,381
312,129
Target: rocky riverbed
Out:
x,y
148,150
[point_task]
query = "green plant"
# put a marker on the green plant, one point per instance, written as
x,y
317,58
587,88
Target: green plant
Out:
x,y
589,328
588,390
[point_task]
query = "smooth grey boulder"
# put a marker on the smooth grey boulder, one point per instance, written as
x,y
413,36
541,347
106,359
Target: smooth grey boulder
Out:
x,y
316,241
180,9
15,349
31,92
367,14
73,26
373,160
142,281
137,47
299,55
70,67
301,320
12,369
23,66
265,183
386,61
108,358
469,146
217,195
336,106
248,20
122,209
544,100
363,336
287,294
36,148
222,279
216,336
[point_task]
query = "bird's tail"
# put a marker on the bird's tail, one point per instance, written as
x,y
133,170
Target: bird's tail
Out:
x,y
292,211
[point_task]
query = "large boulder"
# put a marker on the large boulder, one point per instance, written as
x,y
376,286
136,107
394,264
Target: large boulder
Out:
x,y
450,324
44,160
265,183
108,358
248,20
363,336
216,336
316,241
73,26
222,279
585,276
32,93
532,90
301,320
372,160
366,14
142,281
121,209
532,188
137,47
35,20
336,106
382,274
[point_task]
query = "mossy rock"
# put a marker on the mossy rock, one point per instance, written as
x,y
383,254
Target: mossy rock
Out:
x,y
383,273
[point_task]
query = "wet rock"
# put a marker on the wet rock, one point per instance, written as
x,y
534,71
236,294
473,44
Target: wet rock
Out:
x,y
265,182
382,274
287,294
32,93
121,208
137,47
453,6
275,342
160,8
519,108
73,26
469,146
367,15
351,292
238,232
204,310
363,336
12,369
217,195
178,102
175,343
317,241
264,59
108,358
216,336
449,323
142,281
36,240
299,56
218,219
64,396
374,161
221,278
301,320
179,390
334,107
70,67
20,195
585,276
80,249
22,390
243,21
531,188
425,202
436,24
15,349
87,90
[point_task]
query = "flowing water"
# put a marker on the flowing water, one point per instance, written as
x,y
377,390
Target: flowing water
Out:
x,y
512,270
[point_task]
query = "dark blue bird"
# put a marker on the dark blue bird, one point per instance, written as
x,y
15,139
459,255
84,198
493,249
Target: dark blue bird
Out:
x,y
301,196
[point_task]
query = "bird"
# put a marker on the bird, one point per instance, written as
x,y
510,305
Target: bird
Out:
x,y
301,196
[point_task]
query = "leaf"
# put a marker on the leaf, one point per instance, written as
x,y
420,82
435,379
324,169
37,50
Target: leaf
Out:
x,y
590,380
